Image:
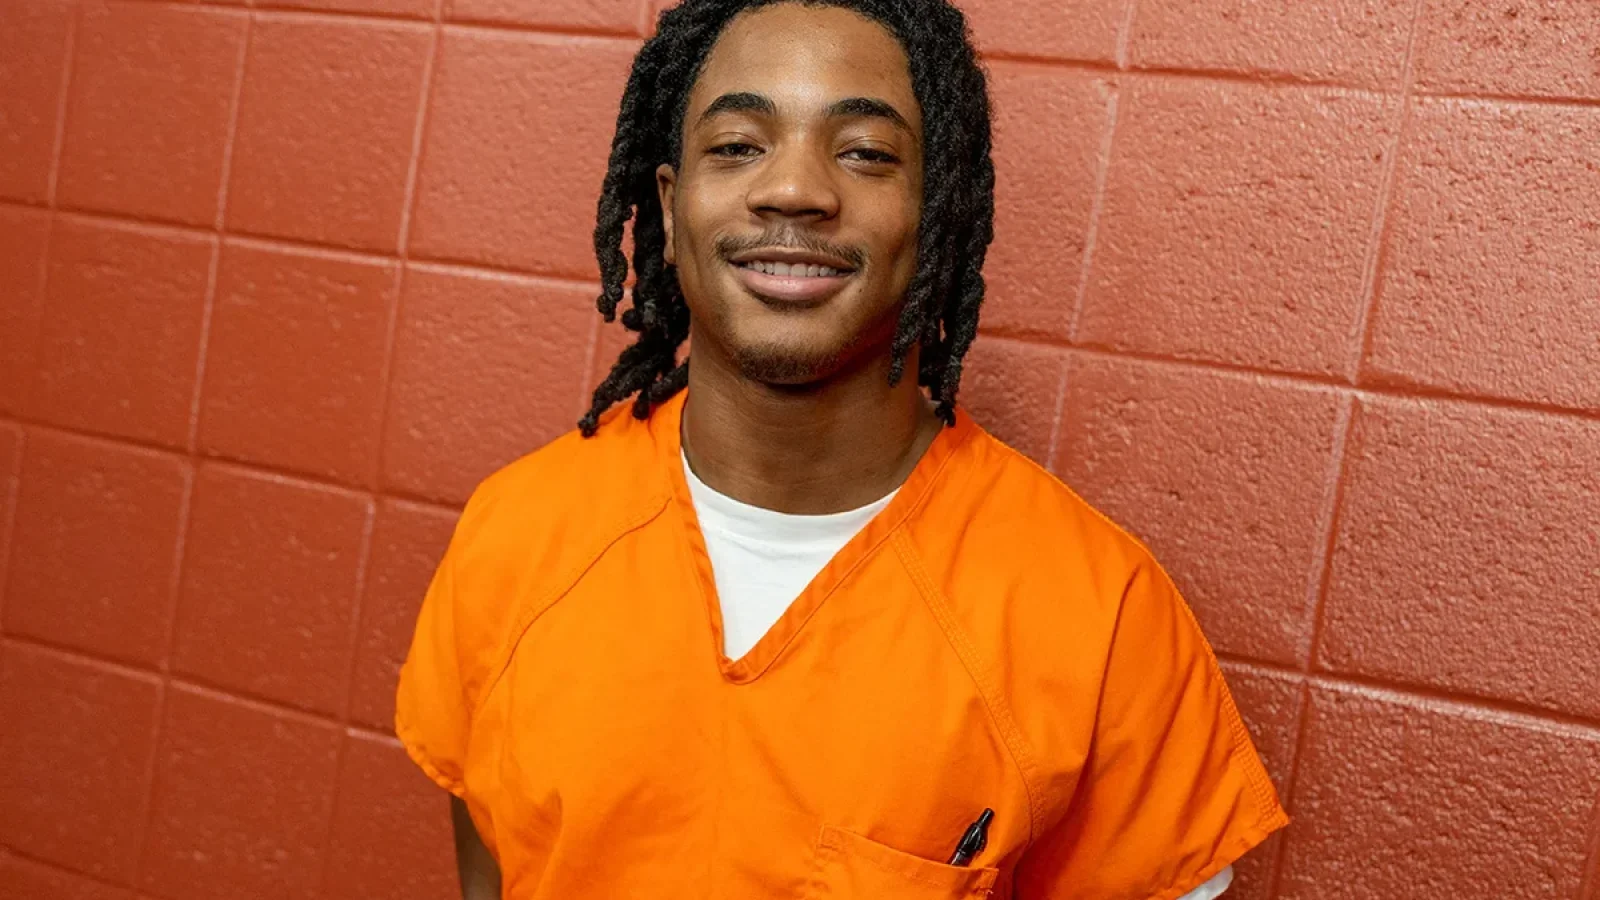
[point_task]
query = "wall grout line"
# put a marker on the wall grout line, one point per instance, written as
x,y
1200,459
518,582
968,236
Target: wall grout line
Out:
x,y
1378,236
1317,590
1582,726
8,527
1125,33
152,773
181,681
1096,207
1372,275
386,376
1097,201
209,304
1305,380
1058,418
1572,103
249,468
419,137
341,752
1589,885
117,889
63,105
311,248
1330,517
635,32
629,37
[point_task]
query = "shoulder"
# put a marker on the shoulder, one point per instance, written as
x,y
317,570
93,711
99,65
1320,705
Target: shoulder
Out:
x,y
531,528
1000,517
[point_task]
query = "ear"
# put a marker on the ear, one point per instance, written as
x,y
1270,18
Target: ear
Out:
x,y
666,190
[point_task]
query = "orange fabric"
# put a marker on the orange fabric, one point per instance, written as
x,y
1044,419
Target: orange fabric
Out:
x,y
989,640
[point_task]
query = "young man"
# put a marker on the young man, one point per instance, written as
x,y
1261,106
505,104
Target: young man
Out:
x,y
796,626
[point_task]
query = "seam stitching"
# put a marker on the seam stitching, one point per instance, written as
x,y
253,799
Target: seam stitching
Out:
x,y
994,703
565,584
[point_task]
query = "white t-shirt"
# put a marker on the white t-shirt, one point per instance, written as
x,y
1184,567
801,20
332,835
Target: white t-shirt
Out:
x,y
761,560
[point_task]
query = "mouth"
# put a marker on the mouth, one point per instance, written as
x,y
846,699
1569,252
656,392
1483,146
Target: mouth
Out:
x,y
788,278
791,270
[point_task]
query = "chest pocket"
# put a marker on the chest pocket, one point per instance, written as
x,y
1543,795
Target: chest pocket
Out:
x,y
851,867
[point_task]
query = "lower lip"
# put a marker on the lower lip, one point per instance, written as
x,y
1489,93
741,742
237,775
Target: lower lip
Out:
x,y
799,290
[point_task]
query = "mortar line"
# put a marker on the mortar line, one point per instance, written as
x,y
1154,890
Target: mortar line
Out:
x,y
9,528
1372,274
1379,233
63,106
1097,206
209,303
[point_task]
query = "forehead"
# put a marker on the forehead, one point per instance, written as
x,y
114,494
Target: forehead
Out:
x,y
804,57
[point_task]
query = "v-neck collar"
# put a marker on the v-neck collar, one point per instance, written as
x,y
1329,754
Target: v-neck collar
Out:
x,y
665,425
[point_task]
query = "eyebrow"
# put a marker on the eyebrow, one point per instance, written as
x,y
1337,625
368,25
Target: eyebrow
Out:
x,y
868,108
848,108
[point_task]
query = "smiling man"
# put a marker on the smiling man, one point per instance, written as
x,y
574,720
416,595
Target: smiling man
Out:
x,y
790,624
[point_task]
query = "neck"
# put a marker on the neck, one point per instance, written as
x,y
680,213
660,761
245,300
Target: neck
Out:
x,y
822,448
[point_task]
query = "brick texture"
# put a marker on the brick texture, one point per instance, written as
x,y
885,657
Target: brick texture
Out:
x,y
387,810
243,801
77,745
33,53
1544,49
121,332
1358,42
613,16
1222,236
36,881
516,149
1226,479
326,122
1444,506
82,500
1302,294
407,543
1049,128
1087,30
1400,798
152,96
1493,286
299,347
23,240
270,586
454,418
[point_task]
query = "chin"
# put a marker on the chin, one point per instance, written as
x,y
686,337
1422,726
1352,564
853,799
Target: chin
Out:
x,y
786,366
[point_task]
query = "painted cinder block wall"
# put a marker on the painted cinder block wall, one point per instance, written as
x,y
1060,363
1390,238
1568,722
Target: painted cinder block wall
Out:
x,y
1306,294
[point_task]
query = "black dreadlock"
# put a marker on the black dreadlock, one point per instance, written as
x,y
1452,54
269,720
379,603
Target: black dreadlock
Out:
x,y
957,221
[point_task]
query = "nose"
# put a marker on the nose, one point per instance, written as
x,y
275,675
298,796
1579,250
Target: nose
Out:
x,y
795,183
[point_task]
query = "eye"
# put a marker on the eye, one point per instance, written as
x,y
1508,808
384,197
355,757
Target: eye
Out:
x,y
871,155
734,150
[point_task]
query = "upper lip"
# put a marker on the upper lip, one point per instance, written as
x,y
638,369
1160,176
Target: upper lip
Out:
x,y
792,257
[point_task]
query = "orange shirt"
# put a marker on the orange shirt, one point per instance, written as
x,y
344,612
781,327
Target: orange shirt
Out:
x,y
988,640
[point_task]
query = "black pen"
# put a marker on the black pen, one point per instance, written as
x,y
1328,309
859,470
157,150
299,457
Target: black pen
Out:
x,y
974,840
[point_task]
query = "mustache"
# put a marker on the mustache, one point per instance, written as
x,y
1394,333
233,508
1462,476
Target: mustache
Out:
x,y
791,239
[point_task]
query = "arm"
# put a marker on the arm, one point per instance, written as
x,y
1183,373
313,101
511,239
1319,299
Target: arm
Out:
x,y
480,874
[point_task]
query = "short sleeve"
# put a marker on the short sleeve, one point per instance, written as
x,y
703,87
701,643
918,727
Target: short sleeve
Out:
x,y
432,714
1173,791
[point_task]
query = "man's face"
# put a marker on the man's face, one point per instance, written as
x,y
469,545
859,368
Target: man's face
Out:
x,y
792,215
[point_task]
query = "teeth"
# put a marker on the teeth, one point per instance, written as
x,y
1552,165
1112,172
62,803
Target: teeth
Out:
x,y
787,270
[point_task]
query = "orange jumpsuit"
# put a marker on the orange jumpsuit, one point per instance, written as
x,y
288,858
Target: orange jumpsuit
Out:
x,y
988,641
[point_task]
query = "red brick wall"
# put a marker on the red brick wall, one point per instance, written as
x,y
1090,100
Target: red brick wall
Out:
x,y
1307,294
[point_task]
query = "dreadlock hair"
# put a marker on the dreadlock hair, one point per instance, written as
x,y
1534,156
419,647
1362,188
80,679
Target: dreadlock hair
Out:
x,y
940,315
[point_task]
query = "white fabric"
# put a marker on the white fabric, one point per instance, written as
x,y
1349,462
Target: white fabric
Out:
x,y
761,560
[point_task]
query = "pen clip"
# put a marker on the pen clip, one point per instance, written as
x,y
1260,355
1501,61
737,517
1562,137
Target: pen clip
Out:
x,y
973,840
